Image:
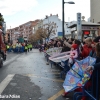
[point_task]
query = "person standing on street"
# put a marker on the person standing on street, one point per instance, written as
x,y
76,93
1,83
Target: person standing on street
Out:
x,y
26,48
31,47
7,46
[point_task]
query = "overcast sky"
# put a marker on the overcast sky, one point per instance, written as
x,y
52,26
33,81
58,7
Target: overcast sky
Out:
x,y
17,12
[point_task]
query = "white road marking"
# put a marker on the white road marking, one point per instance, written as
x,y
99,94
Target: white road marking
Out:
x,y
5,82
6,62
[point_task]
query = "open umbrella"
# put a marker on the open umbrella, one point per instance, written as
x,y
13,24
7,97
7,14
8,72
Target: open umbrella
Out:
x,y
78,75
64,56
54,51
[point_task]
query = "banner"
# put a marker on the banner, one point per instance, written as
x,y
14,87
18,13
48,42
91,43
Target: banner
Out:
x,y
79,26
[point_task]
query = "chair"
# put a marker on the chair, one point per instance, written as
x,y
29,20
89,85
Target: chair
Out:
x,y
51,63
21,49
65,66
9,50
16,49
88,93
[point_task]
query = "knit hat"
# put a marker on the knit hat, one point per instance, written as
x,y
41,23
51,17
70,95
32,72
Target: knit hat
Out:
x,y
75,46
97,39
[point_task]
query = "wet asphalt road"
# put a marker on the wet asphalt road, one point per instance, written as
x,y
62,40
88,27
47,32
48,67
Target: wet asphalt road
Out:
x,y
32,78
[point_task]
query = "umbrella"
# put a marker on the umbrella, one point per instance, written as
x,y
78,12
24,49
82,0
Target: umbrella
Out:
x,y
62,56
78,75
54,51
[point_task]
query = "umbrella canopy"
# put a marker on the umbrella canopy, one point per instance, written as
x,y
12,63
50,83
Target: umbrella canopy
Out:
x,y
78,74
54,51
63,56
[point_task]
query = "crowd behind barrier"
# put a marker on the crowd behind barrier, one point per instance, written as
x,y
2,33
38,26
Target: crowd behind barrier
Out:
x,y
88,47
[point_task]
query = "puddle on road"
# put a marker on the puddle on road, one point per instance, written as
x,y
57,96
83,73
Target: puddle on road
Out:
x,y
22,85
48,86
13,84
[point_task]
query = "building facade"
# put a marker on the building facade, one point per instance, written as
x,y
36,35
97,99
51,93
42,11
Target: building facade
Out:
x,y
23,31
89,29
38,25
95,10
56,23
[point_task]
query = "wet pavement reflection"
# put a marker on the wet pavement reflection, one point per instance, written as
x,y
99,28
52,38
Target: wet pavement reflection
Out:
x,y
33,79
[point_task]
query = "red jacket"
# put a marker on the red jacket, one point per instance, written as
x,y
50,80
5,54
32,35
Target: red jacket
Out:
x,y
86,51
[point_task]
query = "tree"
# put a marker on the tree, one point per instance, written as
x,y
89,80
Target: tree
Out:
x,y
50,27
43,33
32,38
38,36
1,18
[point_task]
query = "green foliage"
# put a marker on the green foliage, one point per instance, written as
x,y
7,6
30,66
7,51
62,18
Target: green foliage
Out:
x,y
2,19
0,23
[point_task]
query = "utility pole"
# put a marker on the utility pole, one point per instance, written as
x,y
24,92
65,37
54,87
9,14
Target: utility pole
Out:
x,y
63,21
10,35
63,18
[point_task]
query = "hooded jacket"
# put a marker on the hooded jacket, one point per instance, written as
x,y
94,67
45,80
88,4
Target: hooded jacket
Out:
x,y
86,51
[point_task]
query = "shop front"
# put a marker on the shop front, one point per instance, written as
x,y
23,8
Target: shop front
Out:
x,y
88,30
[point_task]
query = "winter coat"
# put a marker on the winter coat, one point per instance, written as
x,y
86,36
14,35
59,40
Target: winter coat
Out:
x,y
85,51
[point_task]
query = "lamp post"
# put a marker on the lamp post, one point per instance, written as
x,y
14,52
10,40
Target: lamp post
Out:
x,y
4,30
71,2
10,35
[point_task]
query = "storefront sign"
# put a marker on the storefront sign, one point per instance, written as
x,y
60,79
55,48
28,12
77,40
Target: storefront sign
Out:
x,y
79,26
86,32
90,28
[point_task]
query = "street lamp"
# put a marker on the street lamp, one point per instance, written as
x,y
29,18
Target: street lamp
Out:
x,y
10,35
4,30
71,2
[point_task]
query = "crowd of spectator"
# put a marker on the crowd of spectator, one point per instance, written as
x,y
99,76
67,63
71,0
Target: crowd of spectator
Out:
x,y
85,48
